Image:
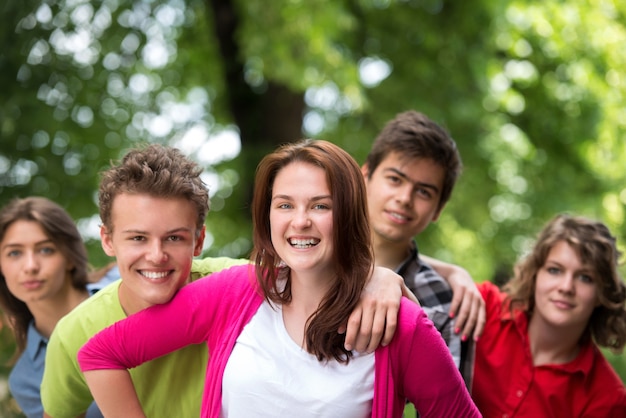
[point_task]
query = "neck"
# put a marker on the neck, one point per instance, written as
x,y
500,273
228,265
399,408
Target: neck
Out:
x,y
552,345
307,292
389,254
306,296
47,313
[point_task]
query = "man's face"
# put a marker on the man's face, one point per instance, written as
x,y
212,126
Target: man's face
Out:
x,y
403,197
154,241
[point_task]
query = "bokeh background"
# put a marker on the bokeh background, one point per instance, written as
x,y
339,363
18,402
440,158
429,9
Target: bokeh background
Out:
x,y
533,92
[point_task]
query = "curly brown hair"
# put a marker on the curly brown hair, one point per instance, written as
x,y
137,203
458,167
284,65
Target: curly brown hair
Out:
x,y
156,170
596,247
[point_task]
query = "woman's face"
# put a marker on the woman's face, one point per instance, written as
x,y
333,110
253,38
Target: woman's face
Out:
x,y
33,266
566,291
301,218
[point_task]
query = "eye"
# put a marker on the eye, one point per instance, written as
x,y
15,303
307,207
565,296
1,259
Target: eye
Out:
x,y
553,270
137,238
321,206
394,179
47,250
284,206
585,278
421,191
14,253
175,238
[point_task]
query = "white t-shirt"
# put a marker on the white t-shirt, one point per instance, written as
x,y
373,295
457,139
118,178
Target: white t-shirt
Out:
x,y
268,374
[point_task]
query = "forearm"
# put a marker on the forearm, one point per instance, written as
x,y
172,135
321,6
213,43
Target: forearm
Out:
x,y
445,270
114,392
467,305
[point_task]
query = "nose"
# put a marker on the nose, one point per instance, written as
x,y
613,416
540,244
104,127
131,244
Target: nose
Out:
x,y
31,262
404,194
566,285
156,253
302,220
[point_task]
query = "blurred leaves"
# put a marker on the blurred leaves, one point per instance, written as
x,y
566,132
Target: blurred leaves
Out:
x,y
533,93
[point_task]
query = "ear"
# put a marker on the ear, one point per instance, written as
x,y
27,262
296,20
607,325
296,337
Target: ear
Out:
x,y
106,241
365,171
197,250
438,213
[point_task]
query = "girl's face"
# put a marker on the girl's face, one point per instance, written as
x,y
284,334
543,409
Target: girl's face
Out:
x,y
566,291
301,219
33,266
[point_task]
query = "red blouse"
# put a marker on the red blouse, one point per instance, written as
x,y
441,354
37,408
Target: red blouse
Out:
x,y
506,384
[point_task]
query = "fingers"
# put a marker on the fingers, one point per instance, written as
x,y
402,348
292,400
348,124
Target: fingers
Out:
x,y
471,316
364,331
352,329
457,299
373,323
391,324
463,314
482,319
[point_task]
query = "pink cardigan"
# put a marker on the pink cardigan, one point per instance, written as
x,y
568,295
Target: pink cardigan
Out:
x,y
416,366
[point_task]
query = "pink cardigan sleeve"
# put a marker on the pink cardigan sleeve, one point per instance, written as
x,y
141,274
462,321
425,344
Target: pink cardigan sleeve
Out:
x,y
422,371
196,310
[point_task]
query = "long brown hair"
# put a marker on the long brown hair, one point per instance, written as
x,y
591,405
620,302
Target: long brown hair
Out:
x,y
352,258
596,247
60,228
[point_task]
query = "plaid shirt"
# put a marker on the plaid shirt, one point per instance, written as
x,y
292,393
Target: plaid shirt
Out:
x,y
435,295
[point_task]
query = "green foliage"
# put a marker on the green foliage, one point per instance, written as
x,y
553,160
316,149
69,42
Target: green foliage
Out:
x,y
532,92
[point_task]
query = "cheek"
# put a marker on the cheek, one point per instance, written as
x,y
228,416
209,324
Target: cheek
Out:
x,y
276,227
60,268
542,284
591,299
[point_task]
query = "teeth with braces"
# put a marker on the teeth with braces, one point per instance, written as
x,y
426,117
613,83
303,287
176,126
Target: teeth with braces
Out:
x,y
303,243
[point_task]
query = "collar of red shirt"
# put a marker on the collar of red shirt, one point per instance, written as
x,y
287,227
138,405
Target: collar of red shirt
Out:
x,y
583,363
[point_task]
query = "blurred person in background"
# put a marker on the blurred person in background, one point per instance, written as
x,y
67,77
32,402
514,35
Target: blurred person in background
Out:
x,y
43,276
539,353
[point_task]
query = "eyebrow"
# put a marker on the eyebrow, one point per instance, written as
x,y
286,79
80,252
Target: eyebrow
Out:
x,y
410,180
172,231
37,244
313,199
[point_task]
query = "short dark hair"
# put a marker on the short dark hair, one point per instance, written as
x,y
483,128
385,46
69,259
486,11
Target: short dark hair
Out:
x,y
412,135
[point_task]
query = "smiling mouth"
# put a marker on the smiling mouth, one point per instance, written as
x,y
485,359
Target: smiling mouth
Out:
x,y
398,216
304,243
154,275
563,305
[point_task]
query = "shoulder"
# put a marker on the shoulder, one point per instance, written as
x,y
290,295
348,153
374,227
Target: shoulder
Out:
x,y
413,322
607,394
604,377
205,266
92,315
229,282
489,290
